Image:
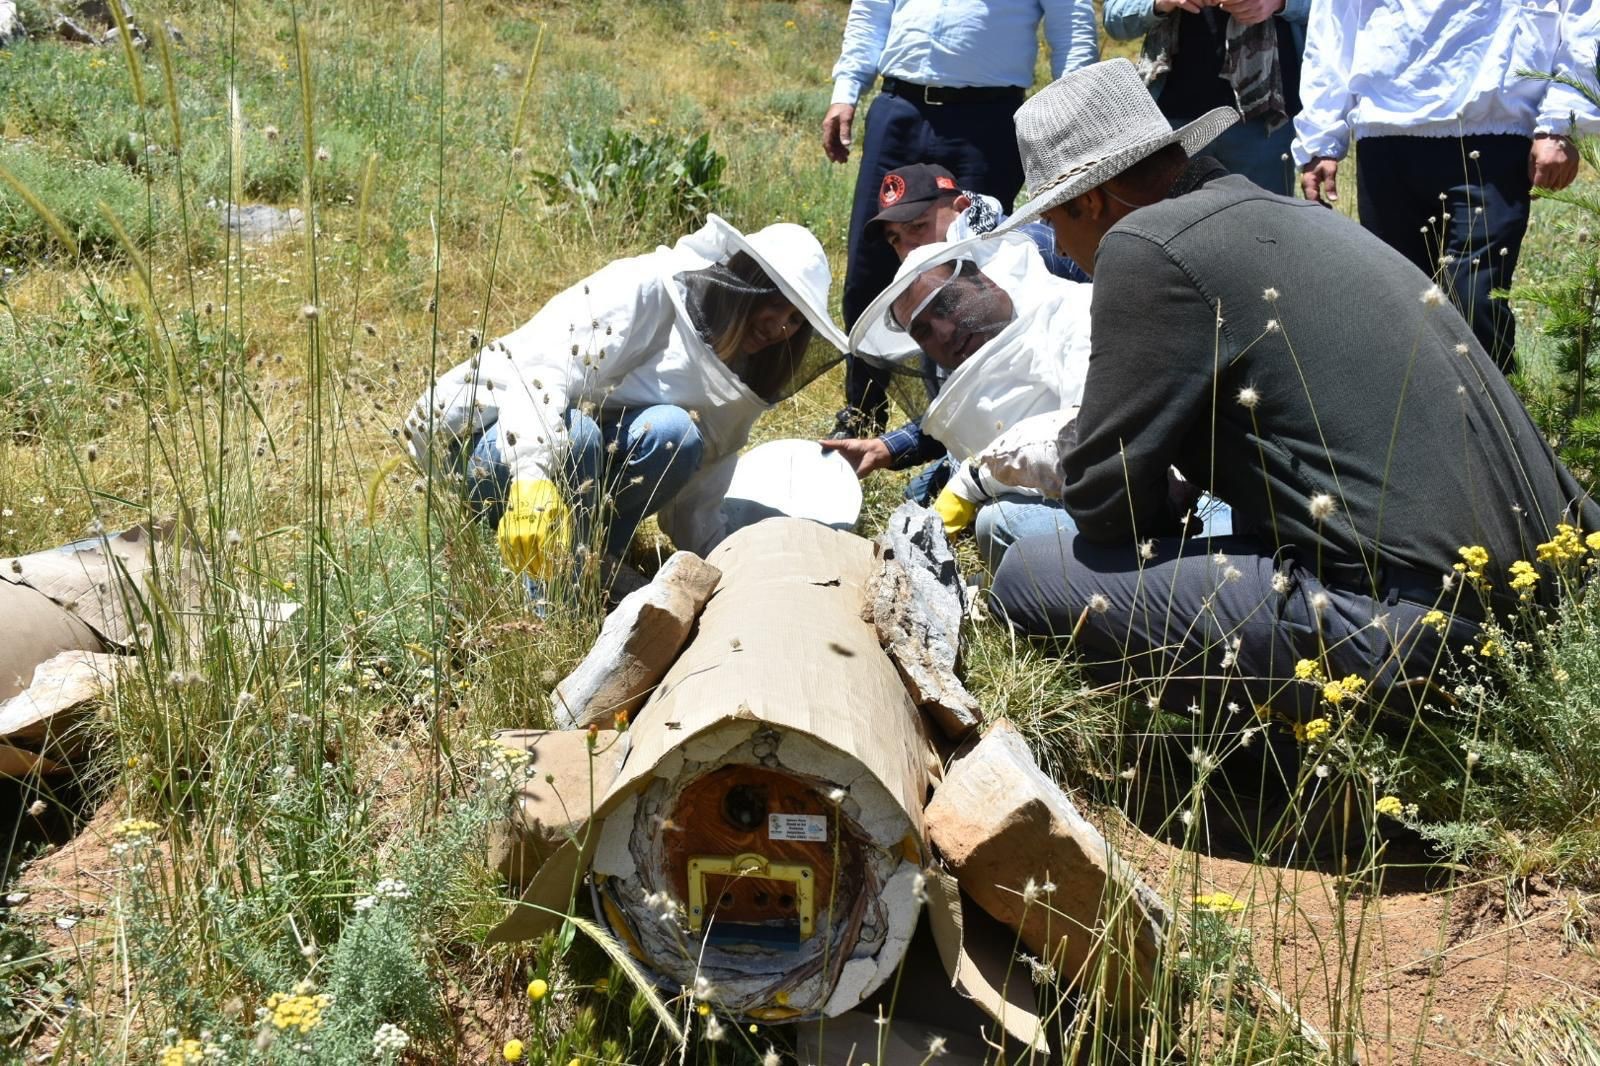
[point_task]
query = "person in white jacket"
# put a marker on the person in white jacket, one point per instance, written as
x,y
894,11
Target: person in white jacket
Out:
x,y
631,393
995,348
1454,128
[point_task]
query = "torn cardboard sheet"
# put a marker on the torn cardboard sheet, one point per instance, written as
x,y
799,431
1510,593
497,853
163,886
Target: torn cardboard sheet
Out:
x,y
35,628
100,581
765,831
640,639
41,727
1003,825
89,597
109,584
548,813
917,601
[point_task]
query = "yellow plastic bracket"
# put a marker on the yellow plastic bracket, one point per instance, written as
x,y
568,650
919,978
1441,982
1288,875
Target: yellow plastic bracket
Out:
x,y
749,864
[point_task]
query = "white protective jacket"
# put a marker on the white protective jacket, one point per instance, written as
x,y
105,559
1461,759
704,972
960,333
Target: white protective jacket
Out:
x,y
1442,68
622,338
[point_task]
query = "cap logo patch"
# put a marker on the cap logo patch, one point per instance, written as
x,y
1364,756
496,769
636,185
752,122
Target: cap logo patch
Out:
x,y
943,182
894,187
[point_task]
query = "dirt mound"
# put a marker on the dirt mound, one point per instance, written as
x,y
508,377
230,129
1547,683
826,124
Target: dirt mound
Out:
x,y
1407,973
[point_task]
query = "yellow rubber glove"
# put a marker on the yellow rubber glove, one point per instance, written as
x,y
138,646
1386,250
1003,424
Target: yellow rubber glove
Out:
x,y
536,530
956,512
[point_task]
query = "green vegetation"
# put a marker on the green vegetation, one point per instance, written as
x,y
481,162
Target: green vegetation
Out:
x,y
305,814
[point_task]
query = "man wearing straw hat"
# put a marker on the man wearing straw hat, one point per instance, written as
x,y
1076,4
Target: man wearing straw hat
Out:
x,y
1303,371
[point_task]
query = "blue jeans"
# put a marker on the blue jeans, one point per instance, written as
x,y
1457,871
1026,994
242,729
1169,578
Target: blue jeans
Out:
x,y
1247,148
1009,518
617,473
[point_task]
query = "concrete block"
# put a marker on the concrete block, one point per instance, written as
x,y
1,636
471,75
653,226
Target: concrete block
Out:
x,y
1000,823
639,641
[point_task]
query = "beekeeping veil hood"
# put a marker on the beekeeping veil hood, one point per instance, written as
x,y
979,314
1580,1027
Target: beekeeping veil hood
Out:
x,y
740,272
1036,362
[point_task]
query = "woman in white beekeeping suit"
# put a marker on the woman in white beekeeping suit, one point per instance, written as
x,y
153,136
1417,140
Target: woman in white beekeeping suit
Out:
x,y
995,348
630,394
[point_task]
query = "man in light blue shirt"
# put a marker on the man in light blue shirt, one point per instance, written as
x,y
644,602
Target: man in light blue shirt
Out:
x,y
1455,126
954,72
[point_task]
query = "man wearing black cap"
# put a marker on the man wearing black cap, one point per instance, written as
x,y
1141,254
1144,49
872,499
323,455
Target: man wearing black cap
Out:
x,y
954,72
922,204
917,205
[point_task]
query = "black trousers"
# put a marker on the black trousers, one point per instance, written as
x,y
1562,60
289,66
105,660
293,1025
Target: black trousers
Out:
x,y
1457,207
977,142
1200,628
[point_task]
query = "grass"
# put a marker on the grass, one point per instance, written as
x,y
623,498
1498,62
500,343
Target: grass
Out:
x,y
148,368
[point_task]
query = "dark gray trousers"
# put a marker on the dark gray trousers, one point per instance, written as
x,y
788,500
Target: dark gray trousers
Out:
x,y
1213,628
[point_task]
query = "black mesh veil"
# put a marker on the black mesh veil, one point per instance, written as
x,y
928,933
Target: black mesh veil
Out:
x,y
722,300
879,336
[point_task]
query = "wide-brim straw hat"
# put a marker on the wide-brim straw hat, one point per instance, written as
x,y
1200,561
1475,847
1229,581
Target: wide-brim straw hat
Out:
x,y
1089,126
793,258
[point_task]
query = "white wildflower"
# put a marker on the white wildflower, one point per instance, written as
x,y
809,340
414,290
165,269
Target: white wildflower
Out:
x,y
1099,603
1433,296
389,1040
1269,294
1281,583
1248,397
1323,769
1322,507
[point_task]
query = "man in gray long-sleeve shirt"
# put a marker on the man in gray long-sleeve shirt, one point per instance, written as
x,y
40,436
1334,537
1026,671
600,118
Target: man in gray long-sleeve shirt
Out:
x,y
1298,368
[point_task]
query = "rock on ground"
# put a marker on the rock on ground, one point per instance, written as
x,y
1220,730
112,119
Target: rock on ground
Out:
x,y
639,641
261,223
546,814
916,601
11,28
1001,824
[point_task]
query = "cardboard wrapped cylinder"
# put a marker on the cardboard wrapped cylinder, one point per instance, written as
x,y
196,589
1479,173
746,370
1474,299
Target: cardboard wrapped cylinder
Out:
x,y
765,831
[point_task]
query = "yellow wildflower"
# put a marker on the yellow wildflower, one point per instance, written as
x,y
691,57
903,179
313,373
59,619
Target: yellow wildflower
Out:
x,y
1308,670
704,1009
298,1009
512,1052
538,988
1524,578
1219,901
1474,558
1437,619
1389,805
1336,692
1312,731
1491,648
185,1052
1563,547
1593,541
788,24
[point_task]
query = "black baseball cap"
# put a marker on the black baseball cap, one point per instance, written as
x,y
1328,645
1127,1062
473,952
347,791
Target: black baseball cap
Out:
x,y
906,192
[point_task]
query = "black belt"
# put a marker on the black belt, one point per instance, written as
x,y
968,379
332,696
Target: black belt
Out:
x,y
942,94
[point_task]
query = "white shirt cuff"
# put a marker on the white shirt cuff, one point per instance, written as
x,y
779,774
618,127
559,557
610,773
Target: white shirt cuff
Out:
x,y
846,91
